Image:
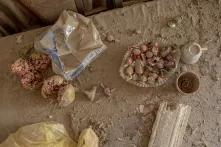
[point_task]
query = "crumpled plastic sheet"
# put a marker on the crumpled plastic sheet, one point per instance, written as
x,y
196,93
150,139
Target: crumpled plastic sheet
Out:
x,y
49,134
73,42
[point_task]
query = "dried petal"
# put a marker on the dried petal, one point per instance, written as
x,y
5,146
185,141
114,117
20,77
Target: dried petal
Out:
x,y
170,57
143,57
143,48
160,79
155,50
160,64
143,78
139,69
166,51
170,64
152,78
149,54
136,52
129,70
135,77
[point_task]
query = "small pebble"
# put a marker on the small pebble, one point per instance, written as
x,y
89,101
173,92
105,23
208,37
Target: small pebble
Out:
x,y
215,77
138,31
156,44
183,68
155,50
171,24
141,108
50,116
19,39
179,19
108,91
110,38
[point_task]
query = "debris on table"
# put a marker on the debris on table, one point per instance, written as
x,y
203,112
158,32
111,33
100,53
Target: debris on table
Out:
x,y
183,68
174,22
137,31
149,64
107,90
101,130
110,38
169,126
91,93
19,39
50,116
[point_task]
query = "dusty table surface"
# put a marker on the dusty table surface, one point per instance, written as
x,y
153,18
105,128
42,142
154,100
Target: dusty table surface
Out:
x,y
116,119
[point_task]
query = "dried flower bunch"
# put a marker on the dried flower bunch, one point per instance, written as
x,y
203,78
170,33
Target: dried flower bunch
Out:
x,y
56,87
148,64
29,70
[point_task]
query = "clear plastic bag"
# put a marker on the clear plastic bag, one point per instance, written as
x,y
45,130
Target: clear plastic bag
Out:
x,y
73,42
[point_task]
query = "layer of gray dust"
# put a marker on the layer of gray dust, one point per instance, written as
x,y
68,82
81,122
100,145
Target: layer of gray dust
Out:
x,y
124,117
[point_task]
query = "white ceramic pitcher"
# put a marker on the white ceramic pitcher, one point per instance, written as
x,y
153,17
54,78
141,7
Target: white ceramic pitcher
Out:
x,y
191,53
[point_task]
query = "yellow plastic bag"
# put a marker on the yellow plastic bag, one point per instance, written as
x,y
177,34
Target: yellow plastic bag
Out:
x,y
46,134
88,138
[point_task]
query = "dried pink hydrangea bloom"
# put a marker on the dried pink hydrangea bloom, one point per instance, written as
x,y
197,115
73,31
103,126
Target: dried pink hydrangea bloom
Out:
x,y
32,80
21,67
52,85
40,61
